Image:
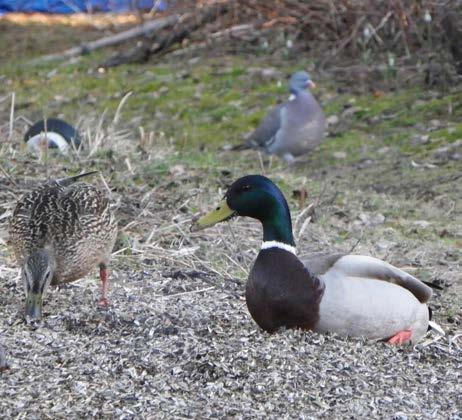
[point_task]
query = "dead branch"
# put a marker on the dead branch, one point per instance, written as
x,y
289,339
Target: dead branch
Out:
x,y
180,31
144,29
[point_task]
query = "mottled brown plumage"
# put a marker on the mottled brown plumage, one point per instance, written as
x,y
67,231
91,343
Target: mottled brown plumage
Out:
x,y
62,230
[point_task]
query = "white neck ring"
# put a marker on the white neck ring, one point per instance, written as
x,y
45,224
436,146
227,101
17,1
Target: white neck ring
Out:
x,y
280,245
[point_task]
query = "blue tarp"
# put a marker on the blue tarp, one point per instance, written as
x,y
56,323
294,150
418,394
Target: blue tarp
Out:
x,y
73,6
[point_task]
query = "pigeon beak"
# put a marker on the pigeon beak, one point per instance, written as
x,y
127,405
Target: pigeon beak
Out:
x,y
34,306
311,84
221,213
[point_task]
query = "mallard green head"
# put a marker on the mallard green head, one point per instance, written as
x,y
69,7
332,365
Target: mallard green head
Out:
x,y
37,272
258,197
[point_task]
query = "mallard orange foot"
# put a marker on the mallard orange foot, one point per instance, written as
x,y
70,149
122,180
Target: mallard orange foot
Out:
x,y
401,337
103,302
103,275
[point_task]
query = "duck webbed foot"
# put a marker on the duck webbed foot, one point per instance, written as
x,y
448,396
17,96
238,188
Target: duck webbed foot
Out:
x,y
401,337
103,275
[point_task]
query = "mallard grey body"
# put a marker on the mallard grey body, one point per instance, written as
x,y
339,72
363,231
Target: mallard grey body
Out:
x,y
67,225
366,297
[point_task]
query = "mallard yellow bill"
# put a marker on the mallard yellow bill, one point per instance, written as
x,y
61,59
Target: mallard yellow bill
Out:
x,y
221,213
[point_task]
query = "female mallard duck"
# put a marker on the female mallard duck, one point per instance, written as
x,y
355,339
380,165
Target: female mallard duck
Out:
x,y
58,233
347,294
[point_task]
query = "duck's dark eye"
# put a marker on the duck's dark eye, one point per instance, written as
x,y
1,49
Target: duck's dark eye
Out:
x,y
246,188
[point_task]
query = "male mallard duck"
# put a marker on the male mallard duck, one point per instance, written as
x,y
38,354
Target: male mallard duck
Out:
x,y
350,295
59,232
53,133
292,128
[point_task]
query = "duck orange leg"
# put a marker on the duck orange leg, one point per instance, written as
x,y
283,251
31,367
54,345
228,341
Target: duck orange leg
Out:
x,y
103,275
401,337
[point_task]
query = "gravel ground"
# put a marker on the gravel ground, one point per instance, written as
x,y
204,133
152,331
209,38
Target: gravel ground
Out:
x,y
200,355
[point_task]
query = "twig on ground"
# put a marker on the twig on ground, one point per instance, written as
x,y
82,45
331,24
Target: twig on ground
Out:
x,y
10,131
4,172
189,292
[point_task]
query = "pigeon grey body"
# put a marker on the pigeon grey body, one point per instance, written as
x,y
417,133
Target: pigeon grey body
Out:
x,y
292,128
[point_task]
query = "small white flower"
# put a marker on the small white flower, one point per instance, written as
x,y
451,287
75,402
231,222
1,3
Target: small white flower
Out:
x,y
367,32
427,17
391,60
289,43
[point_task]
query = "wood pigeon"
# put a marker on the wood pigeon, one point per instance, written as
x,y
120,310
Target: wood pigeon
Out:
x,y
292,128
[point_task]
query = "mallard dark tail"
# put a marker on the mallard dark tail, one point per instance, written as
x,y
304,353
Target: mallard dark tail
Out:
x,y
433,325
432,285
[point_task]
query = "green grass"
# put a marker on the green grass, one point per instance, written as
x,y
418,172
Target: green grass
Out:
x,y
202,104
